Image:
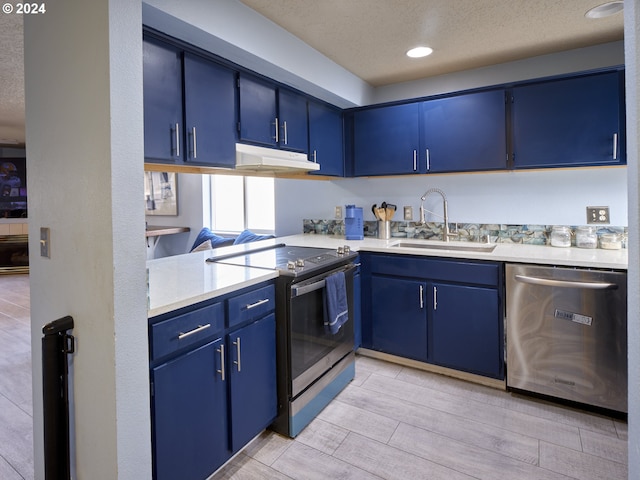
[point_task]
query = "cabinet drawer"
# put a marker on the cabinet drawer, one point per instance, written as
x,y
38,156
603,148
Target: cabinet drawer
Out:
x,y
251,305
464,271
176,333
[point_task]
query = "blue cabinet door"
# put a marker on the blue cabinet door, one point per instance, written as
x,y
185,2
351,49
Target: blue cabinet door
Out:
x,y
293,133
162,84
210,109
464,133
252,366
465,328
258,112
326,144
189,403
386,140
399,316
570,122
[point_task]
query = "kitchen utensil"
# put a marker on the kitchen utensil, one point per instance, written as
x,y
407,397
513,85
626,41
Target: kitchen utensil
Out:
x,y
375,210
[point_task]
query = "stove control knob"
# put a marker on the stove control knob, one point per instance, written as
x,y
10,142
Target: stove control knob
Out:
x,y
347,249
300,262
291,265
340,250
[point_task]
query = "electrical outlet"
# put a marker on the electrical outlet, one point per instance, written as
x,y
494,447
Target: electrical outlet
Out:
x,y
45,242
598,215
408,213
338,213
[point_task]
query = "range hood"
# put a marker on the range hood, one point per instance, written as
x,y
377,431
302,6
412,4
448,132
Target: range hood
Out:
x,y
263,159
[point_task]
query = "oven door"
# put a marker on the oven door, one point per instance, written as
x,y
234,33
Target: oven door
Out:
x,y
313,350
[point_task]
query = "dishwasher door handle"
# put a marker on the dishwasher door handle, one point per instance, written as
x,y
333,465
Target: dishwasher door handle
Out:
x,y
549,282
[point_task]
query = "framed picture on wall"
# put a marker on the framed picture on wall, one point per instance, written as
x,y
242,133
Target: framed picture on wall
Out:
x,y
160,193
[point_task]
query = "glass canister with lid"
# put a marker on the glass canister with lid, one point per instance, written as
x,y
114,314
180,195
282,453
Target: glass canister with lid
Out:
x,y
611,241
560,236
586,237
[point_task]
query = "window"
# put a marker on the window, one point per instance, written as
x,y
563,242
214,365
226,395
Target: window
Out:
x,y
239,203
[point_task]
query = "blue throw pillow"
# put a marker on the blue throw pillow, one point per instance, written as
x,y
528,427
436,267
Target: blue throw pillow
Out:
x,y
248,236
216,240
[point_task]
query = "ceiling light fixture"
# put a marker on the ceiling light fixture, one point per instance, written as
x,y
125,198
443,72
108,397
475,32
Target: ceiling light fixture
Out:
x,y
605,10
419,52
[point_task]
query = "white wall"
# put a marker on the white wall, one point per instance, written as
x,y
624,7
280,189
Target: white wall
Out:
x,y
632,56
547,197
83,86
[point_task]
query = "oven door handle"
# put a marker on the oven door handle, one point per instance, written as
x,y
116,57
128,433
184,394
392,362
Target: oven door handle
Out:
x,y
312,287
299,291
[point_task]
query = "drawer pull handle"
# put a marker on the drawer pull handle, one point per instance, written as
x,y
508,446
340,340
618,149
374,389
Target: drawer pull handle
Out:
x,y
221,371
237,344
435,298
258,303
421,290
198,329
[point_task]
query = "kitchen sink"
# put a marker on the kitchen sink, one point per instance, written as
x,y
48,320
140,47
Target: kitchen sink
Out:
x,y
447,246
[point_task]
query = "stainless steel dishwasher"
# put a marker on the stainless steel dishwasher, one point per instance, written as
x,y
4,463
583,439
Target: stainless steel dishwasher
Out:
x,y
567,333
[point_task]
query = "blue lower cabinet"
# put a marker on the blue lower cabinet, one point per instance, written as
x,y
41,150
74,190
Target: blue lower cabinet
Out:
x,y
441,311
252,377
212,395
465,329
189,405
399,317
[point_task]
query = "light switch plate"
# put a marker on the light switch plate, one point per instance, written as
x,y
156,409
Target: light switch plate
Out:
x,y
598,215
408,214
45,242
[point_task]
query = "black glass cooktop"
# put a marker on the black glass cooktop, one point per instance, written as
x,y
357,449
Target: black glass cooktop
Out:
x,y
288,259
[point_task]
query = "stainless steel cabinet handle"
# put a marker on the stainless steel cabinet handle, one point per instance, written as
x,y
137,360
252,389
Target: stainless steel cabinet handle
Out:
x,y
177,139
315,156
237,344
428,160
284,126
257,304
435,298
421,297
277,130
195,143
415,160
549,282
198,329
221,371
615,146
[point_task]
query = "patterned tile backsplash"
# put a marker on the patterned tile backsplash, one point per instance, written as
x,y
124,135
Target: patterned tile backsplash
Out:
x,y
467,232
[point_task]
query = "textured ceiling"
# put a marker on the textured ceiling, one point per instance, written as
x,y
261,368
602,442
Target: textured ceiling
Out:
x,y
11,80
369,38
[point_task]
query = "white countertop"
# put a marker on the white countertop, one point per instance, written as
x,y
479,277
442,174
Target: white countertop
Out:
x,y
504,252
182,280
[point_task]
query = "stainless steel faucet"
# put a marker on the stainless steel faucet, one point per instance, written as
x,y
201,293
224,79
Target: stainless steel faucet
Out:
x,y
447,233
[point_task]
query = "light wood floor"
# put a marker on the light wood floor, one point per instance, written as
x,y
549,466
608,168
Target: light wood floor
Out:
x,y
391,422
16,414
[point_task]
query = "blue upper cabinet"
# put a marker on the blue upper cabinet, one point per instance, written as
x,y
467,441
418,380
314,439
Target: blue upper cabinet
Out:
x,y
386,140
463,133
570,122
272,117
210,113
293,133
162,83
326,144
258,111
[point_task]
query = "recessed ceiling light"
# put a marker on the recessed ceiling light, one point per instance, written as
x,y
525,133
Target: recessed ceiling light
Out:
x,y
419,52
605,10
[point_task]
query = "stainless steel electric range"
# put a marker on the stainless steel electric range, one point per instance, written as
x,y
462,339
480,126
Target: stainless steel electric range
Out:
x,y
313,364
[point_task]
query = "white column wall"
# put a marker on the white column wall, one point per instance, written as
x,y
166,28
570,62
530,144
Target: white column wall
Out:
x,y
632,59
83,83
